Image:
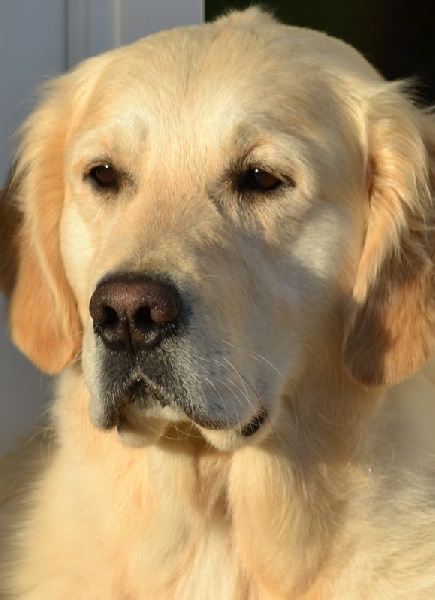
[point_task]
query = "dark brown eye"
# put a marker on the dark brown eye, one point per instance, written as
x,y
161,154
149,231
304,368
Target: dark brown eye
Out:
x,y
105,176
258,180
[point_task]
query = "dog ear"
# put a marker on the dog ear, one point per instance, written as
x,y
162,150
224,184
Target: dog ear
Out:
x,y
390,327
42,311
10,221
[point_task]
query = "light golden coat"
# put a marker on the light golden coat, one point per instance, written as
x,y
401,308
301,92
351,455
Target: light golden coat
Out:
x,y
314,302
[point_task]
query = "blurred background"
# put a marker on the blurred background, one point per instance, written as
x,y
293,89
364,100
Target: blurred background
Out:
x,y
41,39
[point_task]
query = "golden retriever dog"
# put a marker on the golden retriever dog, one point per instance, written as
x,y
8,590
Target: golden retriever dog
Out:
x,y
222,238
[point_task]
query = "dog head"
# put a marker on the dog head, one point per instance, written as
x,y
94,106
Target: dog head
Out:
x,y
211,218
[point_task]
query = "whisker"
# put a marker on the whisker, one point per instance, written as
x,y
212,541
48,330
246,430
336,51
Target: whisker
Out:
x,y
225,363
255,356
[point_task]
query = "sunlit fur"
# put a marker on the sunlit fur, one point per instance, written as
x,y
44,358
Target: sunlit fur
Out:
x,y
314,303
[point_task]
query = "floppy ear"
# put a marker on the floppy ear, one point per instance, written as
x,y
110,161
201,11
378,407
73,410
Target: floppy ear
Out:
x,y
10,221
42,311
390,331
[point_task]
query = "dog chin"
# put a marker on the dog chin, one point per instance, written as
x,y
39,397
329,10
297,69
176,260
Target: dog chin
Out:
x,y
138,428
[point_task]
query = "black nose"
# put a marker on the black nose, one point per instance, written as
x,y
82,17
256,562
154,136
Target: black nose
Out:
x,y
133,313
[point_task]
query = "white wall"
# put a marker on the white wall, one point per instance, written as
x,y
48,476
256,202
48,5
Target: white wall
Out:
x,y
38,40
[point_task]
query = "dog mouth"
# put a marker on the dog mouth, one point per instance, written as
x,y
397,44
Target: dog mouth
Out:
x,y
138,392
141,399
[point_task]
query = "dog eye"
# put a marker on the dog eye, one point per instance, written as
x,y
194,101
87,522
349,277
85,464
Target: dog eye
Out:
x,y
258,180
105,176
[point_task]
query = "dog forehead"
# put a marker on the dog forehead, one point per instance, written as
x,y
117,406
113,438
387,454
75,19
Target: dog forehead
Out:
x,y
192,88
186,68
206,81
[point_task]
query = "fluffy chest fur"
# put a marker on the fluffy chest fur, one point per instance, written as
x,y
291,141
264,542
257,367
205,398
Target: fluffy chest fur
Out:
x,y
180,520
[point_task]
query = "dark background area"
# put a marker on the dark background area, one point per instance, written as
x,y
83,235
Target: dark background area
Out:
x,y
396,36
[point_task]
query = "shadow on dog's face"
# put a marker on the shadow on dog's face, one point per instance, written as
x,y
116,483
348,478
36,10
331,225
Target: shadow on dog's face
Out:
x,y
207,194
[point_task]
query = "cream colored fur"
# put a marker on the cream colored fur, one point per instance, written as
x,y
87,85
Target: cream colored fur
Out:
x,y
313,302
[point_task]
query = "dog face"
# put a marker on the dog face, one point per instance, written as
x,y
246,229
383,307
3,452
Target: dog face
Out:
x,y
207,216
224,212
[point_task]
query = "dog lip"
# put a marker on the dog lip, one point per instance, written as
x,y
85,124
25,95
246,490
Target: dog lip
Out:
x,y
138,389
116,417
131,391
254,424
247,430
107,418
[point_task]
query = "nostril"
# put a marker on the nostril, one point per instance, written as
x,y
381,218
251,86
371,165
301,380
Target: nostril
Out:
x,y
109,316
102,313
142,318
107,324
